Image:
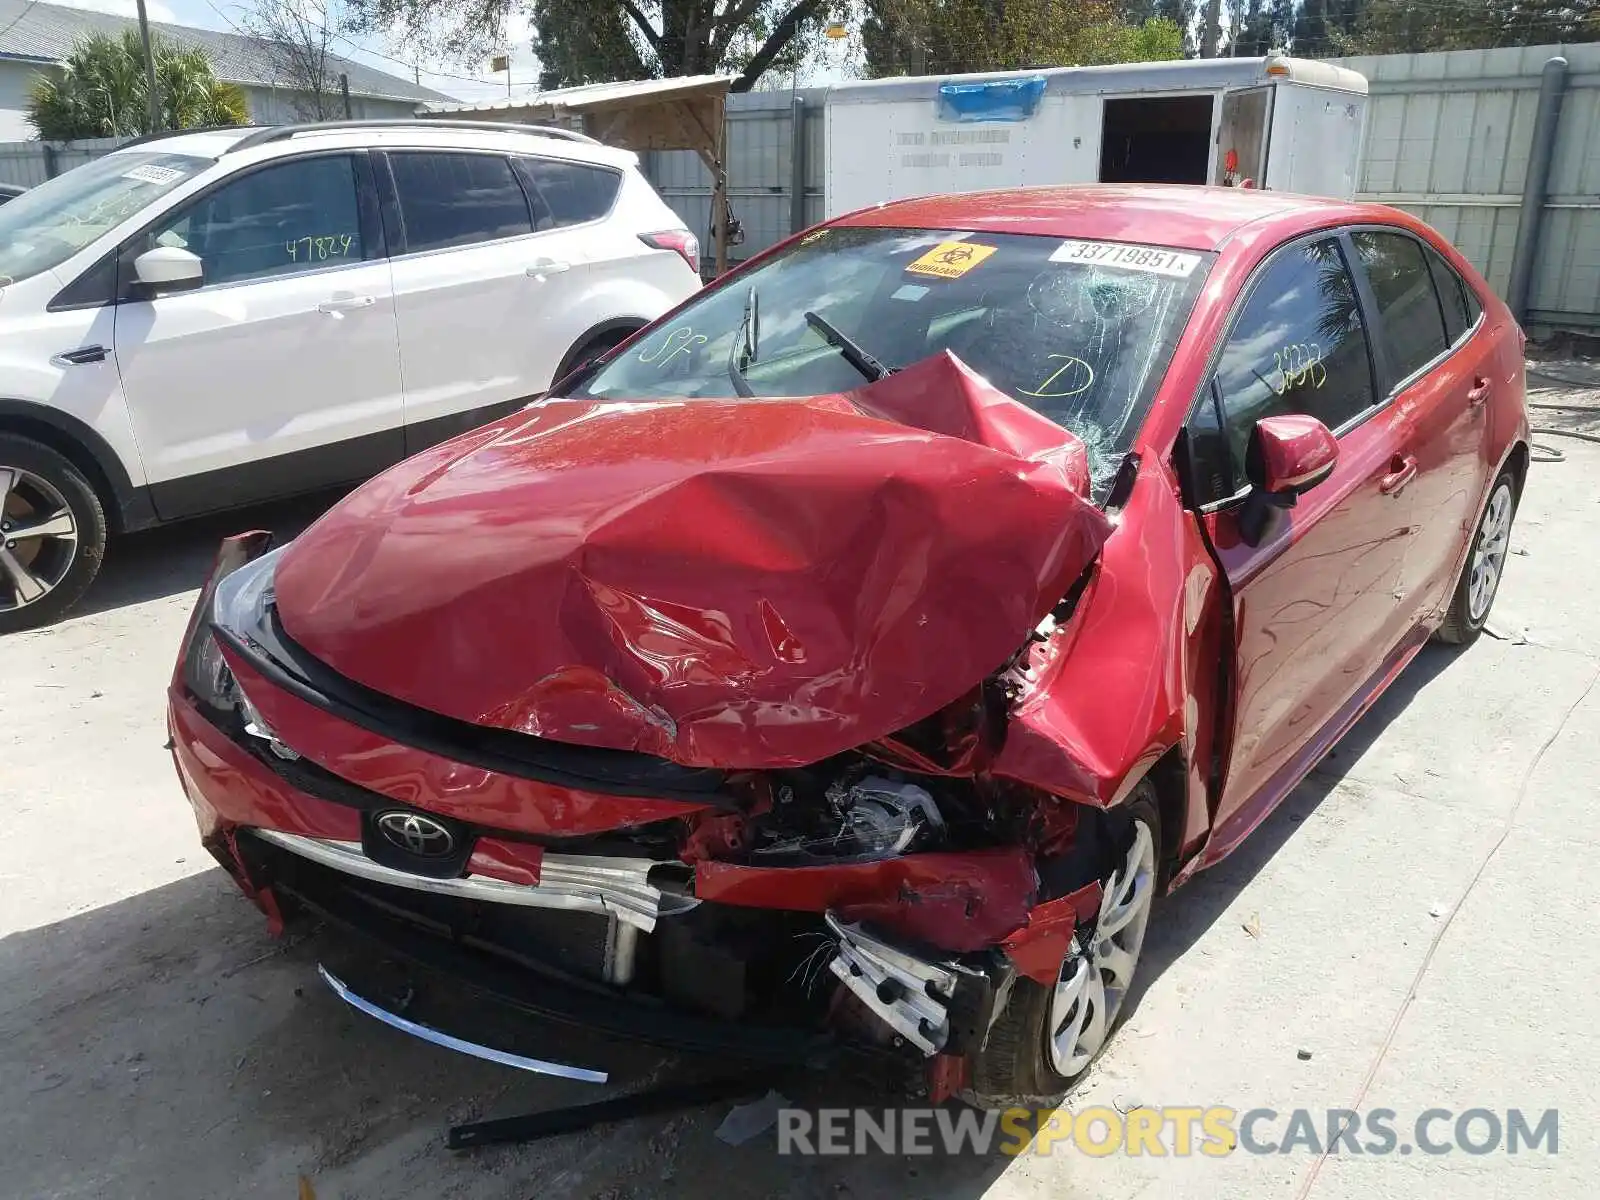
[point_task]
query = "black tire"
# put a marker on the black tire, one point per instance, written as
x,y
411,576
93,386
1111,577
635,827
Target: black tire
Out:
x,y
595,346
1462,624
72,564
1014,1067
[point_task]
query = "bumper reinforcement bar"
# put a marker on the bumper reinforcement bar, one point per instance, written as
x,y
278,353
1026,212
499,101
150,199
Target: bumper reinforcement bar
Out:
x,y
909,994
613,887
428,1034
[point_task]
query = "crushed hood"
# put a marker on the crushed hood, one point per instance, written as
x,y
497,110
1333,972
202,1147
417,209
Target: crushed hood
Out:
x,y
739,583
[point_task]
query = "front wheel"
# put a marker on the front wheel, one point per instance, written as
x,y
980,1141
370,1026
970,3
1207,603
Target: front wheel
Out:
x,y
52,533
1480,579
1047,1038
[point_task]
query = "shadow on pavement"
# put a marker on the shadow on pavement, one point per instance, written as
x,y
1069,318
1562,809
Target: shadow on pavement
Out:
x,y
1181,920
164,1046
175,558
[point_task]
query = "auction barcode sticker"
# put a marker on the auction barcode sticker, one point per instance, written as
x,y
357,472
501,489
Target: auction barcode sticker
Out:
x,y
149,173
1128,257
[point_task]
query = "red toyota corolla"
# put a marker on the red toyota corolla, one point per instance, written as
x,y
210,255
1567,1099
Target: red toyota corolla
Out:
x,y
853,655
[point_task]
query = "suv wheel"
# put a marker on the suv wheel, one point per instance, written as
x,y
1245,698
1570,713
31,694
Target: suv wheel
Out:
x,y
52,533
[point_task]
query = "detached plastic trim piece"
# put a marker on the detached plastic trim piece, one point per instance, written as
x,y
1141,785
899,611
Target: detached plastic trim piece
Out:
x,y
429,1034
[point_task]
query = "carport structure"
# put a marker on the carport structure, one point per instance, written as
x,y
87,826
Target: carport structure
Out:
x,y
639,115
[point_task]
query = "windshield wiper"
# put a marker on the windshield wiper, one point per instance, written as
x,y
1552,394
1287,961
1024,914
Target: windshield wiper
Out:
x,y
852,353
746,338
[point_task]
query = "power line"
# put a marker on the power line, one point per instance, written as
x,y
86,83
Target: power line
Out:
x,y
347,40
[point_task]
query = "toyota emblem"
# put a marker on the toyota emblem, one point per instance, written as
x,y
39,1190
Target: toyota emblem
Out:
x,y
416,834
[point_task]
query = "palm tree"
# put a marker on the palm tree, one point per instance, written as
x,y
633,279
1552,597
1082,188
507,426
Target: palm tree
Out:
x,y
100,91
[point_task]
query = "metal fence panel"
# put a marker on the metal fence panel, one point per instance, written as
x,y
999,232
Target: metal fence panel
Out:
x,y
29,164
1448,137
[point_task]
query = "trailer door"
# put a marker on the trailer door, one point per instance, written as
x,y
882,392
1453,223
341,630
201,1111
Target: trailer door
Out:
x,y
1242,136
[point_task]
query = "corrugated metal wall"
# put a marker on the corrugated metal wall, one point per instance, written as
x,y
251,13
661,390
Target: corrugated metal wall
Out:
x,y
1447,138
760,170
30,163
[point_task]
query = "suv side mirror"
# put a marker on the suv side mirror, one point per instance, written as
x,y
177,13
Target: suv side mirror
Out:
x,y
169,269
1287,455
1290,454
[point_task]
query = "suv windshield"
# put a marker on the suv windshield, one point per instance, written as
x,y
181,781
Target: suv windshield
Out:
x,y
1079,331
48,224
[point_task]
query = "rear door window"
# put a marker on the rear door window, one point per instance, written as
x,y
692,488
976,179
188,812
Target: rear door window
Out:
x,y
451,199
1453,292
572,193
1298,346
1409,312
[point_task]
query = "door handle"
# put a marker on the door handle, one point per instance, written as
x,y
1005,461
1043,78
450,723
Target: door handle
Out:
x,y
1479,391
82,355
540,267
1402,470
343,302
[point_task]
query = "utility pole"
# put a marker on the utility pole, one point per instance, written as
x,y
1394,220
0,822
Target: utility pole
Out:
x,y
152,100
344,90
1212,32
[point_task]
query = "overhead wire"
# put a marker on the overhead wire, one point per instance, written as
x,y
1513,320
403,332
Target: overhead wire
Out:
x,y
233,27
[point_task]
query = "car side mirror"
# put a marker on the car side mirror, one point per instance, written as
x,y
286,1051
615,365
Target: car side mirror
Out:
x,y
1287,455
1290,454
169,269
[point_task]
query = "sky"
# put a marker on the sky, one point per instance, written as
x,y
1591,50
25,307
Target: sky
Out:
x,y
466,82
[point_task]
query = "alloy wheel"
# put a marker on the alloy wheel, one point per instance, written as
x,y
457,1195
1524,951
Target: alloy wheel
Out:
x,y
38,538
1489,553
1094,982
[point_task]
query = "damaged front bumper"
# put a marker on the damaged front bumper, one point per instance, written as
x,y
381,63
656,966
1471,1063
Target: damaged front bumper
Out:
x,y
664,940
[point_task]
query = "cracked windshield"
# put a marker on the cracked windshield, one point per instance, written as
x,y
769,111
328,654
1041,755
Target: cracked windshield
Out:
x,y
48,224
1079,331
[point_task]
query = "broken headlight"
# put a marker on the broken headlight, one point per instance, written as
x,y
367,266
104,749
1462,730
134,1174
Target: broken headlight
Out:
x,y
236,600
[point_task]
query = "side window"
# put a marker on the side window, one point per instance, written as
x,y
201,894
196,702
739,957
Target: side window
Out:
x,y
574,193
294,216
1453,293
1408,305
457,199
1298,347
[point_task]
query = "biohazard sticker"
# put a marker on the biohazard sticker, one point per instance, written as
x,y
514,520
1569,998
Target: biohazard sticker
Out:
x,y
950,260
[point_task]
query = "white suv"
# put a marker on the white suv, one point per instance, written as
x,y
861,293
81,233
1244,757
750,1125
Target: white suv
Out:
x,y
210,319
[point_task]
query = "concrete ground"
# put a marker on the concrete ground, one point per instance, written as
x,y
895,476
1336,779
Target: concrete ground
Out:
x,y
1418,916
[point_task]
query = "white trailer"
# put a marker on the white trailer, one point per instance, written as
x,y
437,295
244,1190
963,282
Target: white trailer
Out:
x,y
1276,122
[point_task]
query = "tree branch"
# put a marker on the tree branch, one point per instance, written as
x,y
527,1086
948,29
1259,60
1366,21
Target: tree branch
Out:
x,y
782,34
725,27
646,30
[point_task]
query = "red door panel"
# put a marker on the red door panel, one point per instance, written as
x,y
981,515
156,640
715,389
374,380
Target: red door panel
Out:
x,y
1315,613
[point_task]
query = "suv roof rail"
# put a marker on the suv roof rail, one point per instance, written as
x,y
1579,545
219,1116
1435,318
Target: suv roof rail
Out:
x,y
279,133
159,134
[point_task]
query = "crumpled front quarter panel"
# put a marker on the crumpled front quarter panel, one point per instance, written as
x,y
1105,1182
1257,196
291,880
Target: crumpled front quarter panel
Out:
x,y
740,583
1111,690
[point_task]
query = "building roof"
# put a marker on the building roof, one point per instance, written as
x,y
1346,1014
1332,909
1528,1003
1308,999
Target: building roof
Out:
x,y
46,33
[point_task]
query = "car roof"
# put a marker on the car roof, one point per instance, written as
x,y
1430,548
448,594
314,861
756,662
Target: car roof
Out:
x,y
1182,215
215,143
